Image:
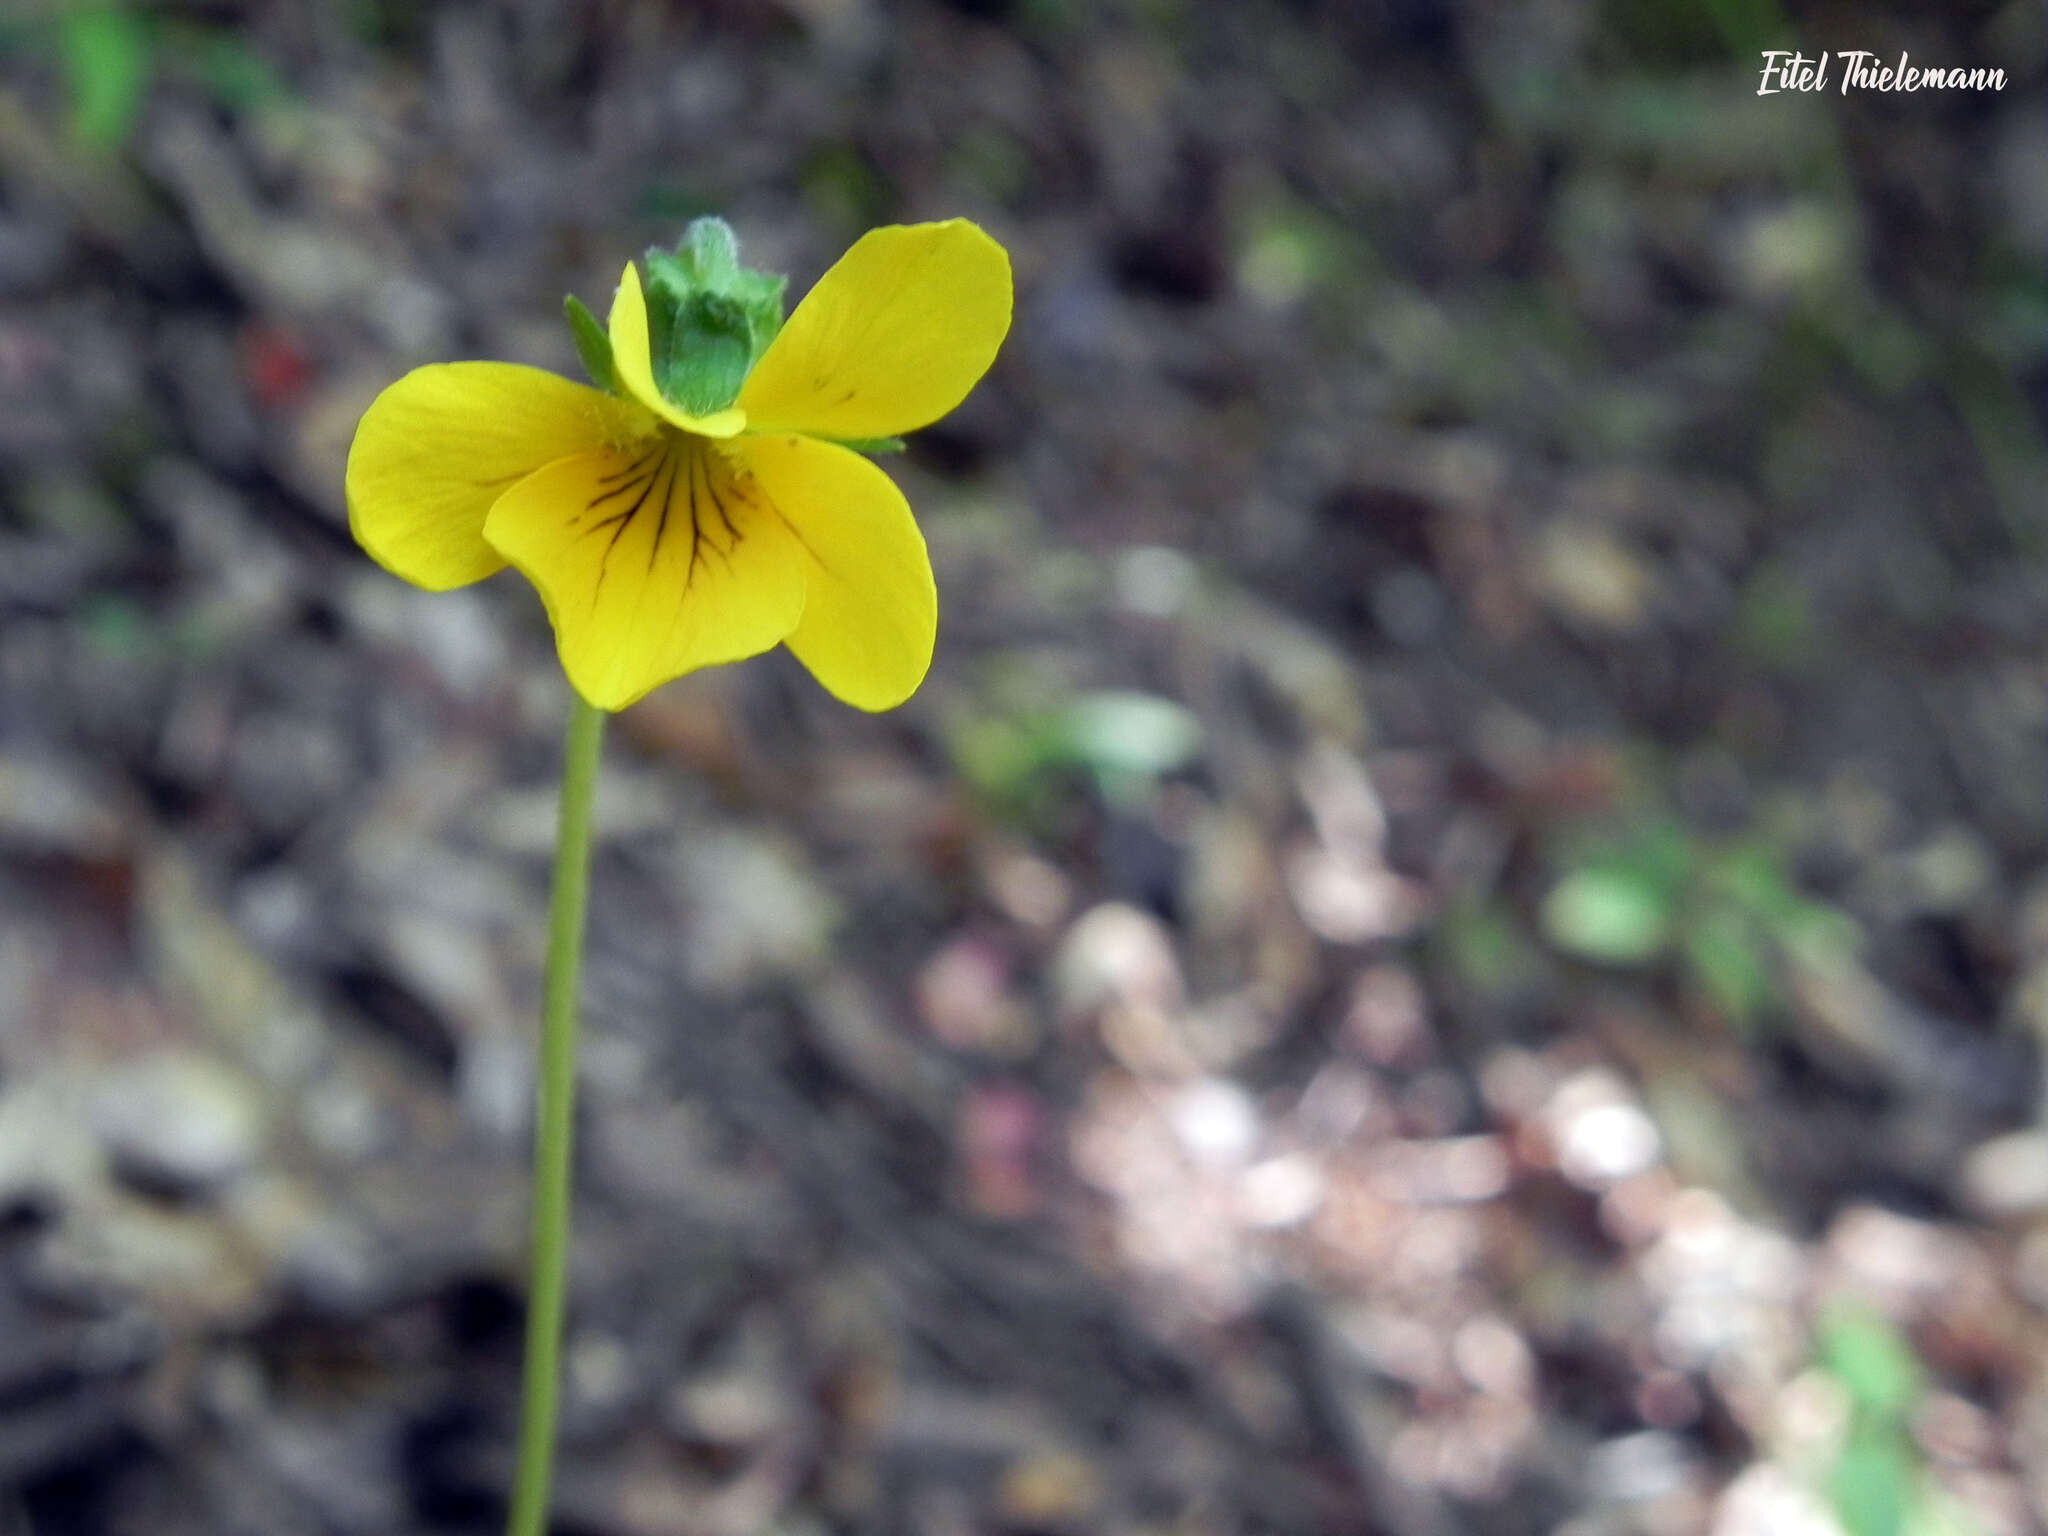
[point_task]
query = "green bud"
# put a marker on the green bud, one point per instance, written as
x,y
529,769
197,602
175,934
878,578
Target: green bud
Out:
x,y
708,318
709,253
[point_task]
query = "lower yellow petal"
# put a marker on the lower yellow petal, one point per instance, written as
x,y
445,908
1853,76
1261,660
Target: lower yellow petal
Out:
x,y
872,611
652,564
438,447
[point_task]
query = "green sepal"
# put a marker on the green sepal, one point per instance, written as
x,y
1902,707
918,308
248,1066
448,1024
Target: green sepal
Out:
x,y
592,344
869,445
709,319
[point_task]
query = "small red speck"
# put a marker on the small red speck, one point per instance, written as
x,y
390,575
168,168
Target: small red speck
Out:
x,y
274,365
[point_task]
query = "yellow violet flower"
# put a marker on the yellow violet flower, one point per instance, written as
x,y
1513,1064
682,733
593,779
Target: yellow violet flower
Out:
x,y
662,541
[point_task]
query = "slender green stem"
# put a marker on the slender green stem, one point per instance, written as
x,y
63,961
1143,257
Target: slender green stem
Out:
x,y
555,1122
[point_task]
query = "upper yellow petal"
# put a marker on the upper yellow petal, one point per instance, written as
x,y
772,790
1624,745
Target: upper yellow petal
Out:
x,y
893,336
632,361
438,447
871,610
652,564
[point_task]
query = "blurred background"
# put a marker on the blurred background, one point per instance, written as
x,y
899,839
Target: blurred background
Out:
x,y
1457,942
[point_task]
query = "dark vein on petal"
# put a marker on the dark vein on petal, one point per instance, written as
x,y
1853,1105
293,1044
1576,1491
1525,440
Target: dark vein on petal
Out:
x,y
615,517
634,468
696,531
661,528
672,465
669,465
718,505
732,532
623,489
620,522
631,475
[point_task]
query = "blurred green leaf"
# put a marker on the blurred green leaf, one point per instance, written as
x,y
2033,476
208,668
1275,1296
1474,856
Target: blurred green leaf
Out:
x,y
1615,915
1752,877
1662,853
1287,250
233,73
1819,935
1871,1483
1128,732
997,757
106,51
1873,1362
1728,958
1122,740
1487,948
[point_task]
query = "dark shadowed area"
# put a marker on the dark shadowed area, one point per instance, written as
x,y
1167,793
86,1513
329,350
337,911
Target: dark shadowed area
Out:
x,y
1457,941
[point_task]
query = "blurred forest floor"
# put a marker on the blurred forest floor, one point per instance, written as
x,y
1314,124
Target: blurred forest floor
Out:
x,y
1456,942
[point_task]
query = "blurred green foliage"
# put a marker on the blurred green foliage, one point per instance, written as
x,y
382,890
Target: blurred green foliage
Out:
x,y
1487,949
1122,741
1726,911
109,55
1680,32
1876,1486
106,70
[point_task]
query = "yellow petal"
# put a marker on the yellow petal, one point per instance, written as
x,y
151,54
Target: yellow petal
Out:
x,y
438,447
651,564
893,336
871,610
632,360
